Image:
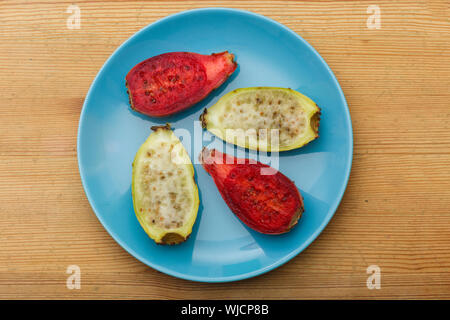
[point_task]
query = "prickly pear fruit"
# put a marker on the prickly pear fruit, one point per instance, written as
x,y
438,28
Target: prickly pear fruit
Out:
x,y
254,117
266,201
165,195
171,82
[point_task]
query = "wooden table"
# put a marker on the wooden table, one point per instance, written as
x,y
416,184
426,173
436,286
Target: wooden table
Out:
x,y
395,212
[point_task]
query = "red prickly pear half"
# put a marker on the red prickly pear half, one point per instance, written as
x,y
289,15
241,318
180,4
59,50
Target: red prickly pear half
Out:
x,y
171,82
270,204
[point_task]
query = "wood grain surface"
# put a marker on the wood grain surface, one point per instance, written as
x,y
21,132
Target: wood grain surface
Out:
x,y
395,212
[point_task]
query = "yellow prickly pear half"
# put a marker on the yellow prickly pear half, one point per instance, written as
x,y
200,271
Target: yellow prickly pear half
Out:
x,y
264,118
165,195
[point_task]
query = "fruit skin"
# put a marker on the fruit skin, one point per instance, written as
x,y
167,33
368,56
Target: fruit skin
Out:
x,y
210,120
159,235
174,81
270,204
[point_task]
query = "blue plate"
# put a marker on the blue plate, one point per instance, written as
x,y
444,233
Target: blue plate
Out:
x,y
220,248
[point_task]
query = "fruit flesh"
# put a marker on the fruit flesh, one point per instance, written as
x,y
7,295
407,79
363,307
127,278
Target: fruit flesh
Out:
x,y
165,195
264,118
269,204
171,82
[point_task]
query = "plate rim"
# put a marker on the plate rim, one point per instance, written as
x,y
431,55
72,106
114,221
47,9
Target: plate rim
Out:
x,y
266,268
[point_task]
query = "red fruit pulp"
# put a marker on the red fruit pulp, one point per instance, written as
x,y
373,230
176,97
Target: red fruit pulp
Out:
x,y
171,82
269,204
